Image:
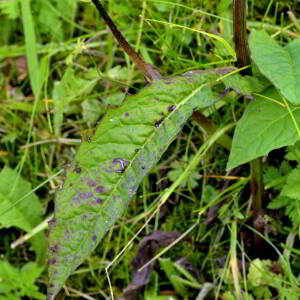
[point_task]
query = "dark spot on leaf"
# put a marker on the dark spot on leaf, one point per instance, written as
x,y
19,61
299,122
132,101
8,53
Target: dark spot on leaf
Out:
x,y
94,238
143,167
89,195
51,261
171,107
136,150
82,196
92,183
52,222
100,189
122,163
126,114
77,170
76,198
226,91
157,123
99,201
162,113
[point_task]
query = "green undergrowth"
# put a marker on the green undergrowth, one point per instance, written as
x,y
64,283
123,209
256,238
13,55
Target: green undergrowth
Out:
x,y
62,73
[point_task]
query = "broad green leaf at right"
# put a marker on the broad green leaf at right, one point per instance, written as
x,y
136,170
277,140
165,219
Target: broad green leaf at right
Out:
x,y
281,65
264,126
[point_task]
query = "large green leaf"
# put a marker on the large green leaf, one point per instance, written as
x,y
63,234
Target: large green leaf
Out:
x,y
265,126
31,47
110,166
281,65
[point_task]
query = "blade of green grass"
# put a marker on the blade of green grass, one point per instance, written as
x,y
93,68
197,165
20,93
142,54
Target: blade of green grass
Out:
x,y
31,49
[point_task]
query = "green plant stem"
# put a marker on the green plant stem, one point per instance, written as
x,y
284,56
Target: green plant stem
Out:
x,y
210,128
257,184
148,70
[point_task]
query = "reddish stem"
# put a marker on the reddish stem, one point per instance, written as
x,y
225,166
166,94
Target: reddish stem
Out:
x,y
148,70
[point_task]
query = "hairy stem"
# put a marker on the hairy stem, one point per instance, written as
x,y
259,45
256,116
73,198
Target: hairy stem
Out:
x,y
243,59
148,70
240,35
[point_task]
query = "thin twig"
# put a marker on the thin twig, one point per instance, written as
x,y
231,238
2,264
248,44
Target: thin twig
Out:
x,y
149,71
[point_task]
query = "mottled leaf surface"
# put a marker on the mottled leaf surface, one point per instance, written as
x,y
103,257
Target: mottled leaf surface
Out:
x,y
264,126
110,166
281,65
